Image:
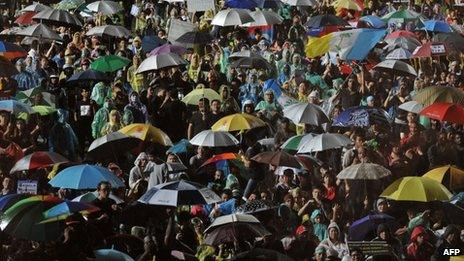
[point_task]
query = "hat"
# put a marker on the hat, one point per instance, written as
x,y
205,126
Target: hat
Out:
x,y
67,65
53,76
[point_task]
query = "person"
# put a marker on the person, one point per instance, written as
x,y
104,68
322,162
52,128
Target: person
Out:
x,y
104,217
334,244
419,248
100,92
284,186
228,103
7,186
384,234
84,113
449,240
135,111
320,229
25,79
114,123
136,80
62,138
442,152
139,174
101,118
201,120
174,109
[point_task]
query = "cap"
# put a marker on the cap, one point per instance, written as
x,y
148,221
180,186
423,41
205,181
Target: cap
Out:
x,y
53,76
67,65
269,91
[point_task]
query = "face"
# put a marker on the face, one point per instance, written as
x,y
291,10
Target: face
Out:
x,y
137,44
356,256
133,98
420,239
171,158
104,191
359,141
3,119
269,97
249,109
7,183
143,162
458,138
382,207
333,234
316,193
215,106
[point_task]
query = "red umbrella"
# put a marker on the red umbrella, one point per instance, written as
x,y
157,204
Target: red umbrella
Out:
x,y
25,19
400,33
219,157
38,159
429,49
444,111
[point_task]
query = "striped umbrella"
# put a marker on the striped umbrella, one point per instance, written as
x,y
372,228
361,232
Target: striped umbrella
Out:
x,y
293,143
38,159
11,51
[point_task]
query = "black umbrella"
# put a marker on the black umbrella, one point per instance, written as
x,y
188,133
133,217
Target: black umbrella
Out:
x,y
325,20
111,144
7,69
453,40
195,37
257,62
88,75
150,42
261,254
57,17
255,206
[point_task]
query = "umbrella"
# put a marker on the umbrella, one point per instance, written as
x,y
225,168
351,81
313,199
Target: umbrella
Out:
x,y
399,54
180,147
320,21
253,62
367,226
243,4
194,96
261,254
84,177
7,69
411,106
111,143
109,63
168,48
362,117
453,40
43,110
15,107
294,143
264,18
111,255
65,209
109,30
255,206
364,171
428,50
209,138
406,15
150,42
234,227
35,7
445,111
88,75
269,4
279,158
437,26
219,157
25,19
39,31
69,4
91,196
223,162
238,122
300,2
281,170
179,193
396,67
38,159
105,7
348,4
450,176
160,61
325,141
244,53
231,17
402,42
57,17
147,133
30,97
373,21
306,113
434,94
416,189
195,37
457,199
9,200
400,33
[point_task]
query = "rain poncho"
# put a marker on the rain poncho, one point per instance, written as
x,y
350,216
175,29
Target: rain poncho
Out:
x,y
100,92
250,91
228,103
112,125
136,80
136,173
340,248
100,119
320,229
62,139
135,111
26,80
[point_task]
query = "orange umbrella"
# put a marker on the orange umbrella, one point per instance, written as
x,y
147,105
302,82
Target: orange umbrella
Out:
x,y
445,111
25,19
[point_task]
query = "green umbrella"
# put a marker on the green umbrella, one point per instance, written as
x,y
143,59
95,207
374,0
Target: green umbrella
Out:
x,y
109,63
293,143
29,97
403,15
43,110
69,4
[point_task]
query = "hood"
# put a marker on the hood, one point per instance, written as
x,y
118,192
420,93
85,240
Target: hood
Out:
x,y
315,213
221,89
450,229
333,225
246,103
418,231
142,155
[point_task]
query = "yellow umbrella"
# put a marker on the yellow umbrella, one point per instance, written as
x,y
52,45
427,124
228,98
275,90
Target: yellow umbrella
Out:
x,y
416,189
457,258
194,96
147,132
238,122
450,176
347,4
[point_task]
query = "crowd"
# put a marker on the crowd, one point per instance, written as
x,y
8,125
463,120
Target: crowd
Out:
x,y
244,81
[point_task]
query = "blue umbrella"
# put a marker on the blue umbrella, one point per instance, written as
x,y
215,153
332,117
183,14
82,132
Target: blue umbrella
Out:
x,y
88,75
437,26
84,177
67,208
180,147
150,42
361,117
373,21
15,107
9,200
367,226
269,4
111,255
273,85
243,4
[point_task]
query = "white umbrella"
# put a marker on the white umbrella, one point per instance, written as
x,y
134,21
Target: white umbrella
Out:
x,y
35,7
300,2
109,30
403,42
91,196
57,16
104,7
39,31
325,141
263,18
399,54
159,61
174,1
242,54
306,113
396,67
364,171
209,138
411,106
231,17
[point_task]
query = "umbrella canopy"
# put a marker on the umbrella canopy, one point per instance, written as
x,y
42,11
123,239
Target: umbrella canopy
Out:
x,y
294,143
402,42
400,33
105,7
147,133
450,176
196,95
180,147
69,4
243,4
411,106
112,143
244,53
255,206
195,37
43,110
238,122
35,7
367,225
364,171
405,14
220,157
9,200
300,2
209,138
399,54
25,18
320,21
457,199
109,30
277,158
306,113
437,26
396,67
7,69
428,50
15,107
109,63
453,40
160,61
39,31
445,111
325,141
168,48
434,94
251,62
232,17
150,42
373,21
348,4
30,97
178,193
362,117
57,17
91,196
38,159
67,208
264,18
111,255
89,75
416,189
84,177
261,254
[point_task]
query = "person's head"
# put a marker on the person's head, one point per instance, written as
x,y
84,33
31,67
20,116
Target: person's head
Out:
x,y
172,158
316,193
4,118
288,176
141,160
133,97
136,61
226,194
218,175
200,151
458,138
248,107
289,200
356,254
320,254
21,124
85,93
104,189
370,101
313,97
203,105
418,235
7,183
20,65
137,42
383,232
358,141
382,205
269,96
451,234
54,79
115,117
215,106
334,232
442,137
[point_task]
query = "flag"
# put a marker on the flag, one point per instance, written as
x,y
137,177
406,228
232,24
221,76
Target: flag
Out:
x,y
350,45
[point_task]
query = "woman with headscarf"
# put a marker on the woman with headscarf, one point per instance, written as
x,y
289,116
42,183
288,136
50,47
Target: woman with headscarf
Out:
x,y
113,124
135,111
139,174
194,68
334,244
136,80
228,103
420,248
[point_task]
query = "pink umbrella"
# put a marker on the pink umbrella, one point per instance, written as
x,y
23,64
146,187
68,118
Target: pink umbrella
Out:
x,y
168,48
38,159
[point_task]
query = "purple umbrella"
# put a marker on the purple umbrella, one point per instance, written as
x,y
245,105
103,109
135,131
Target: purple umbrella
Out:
x,y
168,48
367,226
